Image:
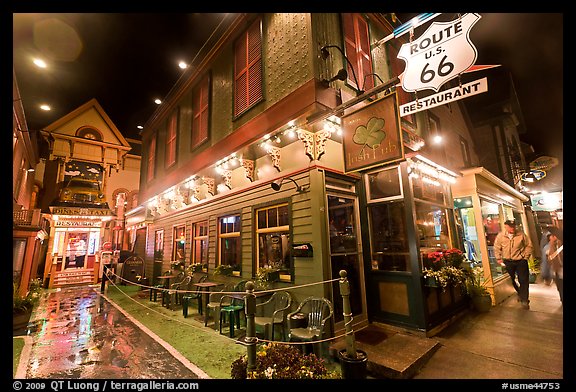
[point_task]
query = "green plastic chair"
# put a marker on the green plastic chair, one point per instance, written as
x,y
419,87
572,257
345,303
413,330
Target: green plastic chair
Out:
x,y
274,313
158,287
233,309
172,296
186,298
214,303
317,311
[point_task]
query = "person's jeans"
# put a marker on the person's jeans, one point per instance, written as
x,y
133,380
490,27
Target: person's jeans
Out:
x,y
560,286
519,268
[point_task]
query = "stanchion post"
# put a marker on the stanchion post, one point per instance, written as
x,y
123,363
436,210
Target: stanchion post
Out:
x,y
250,339
345,292
104,277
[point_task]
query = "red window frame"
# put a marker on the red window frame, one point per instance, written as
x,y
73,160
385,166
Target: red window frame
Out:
x,y
248,69
200,112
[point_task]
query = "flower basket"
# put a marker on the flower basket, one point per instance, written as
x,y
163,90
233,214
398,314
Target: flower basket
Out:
x,y
444,268
282,361
225,270
265,277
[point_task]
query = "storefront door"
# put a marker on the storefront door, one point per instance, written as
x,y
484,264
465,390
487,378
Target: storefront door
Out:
x,y
345,255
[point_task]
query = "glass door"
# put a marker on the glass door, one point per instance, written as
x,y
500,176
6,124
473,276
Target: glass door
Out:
x,y
345,254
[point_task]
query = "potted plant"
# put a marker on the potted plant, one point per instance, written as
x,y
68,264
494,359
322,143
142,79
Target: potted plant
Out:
x,y
476,287
282,361
23,305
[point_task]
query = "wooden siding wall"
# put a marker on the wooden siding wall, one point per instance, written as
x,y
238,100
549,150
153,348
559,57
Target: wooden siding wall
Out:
x,y
307,223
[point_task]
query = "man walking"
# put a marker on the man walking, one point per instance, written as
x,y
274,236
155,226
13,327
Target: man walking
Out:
x,y
512,249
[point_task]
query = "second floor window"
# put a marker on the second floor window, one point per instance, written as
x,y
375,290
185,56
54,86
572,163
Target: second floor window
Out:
x,y
200,106
229,241
357,49
248,68
171,134
151,158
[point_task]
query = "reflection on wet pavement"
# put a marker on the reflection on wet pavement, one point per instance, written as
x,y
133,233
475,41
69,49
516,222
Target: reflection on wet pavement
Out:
x,y
78,334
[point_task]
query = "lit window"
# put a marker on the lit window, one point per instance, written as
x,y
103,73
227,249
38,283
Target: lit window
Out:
x,y
200,244
229,242
273,234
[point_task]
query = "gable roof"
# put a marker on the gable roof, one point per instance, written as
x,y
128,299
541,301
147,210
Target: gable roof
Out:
x,y
75,117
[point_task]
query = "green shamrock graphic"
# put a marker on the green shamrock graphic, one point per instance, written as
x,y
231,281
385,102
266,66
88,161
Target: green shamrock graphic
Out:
x,y
370,135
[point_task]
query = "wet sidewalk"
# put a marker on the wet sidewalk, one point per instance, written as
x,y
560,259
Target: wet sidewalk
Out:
x,y
77,333
508,342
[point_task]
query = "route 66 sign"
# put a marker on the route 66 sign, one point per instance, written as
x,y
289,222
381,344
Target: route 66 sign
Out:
x,y
440,54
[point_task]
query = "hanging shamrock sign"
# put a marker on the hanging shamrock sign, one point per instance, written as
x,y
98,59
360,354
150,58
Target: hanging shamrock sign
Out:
x,y
372,135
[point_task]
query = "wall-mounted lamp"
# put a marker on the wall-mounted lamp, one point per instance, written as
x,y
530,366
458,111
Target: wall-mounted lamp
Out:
x,y
324,53
341,75
276,185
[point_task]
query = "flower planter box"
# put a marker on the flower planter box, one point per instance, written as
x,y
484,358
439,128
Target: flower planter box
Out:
x,y
431,282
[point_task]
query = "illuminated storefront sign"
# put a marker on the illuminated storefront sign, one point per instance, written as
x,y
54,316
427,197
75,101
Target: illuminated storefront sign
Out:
x,y
444,97
64,223
80,211
372,135
547,201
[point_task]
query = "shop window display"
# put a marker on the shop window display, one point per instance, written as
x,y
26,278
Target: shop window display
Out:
x,y
491,224
466,224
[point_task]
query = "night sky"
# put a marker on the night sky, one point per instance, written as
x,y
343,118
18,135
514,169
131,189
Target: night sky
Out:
x,y
127,60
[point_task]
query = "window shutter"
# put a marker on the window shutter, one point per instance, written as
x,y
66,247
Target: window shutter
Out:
x,y
151,158
248,69
171,139
350,48
357,49
364,56
200,112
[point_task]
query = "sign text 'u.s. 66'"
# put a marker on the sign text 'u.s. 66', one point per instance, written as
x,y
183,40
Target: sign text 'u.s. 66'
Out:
x,y
442,53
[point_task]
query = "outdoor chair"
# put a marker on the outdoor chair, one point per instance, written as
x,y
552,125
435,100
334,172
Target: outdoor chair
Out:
x,y
196,294
316,311
172,296
273,312
231,307
158,288
213,305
